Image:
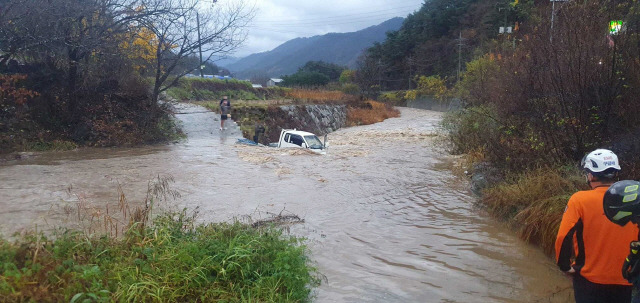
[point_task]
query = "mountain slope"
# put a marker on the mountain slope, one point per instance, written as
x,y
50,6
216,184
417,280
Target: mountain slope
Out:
x,y
338,48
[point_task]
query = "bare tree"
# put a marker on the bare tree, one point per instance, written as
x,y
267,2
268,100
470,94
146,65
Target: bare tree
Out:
x,y
69,35
194,26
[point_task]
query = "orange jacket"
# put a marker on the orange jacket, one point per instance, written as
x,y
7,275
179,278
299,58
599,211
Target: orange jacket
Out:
x,y
599,246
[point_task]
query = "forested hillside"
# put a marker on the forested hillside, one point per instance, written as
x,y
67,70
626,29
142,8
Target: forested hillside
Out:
x,y
429,41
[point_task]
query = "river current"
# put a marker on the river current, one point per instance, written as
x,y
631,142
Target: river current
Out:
x,y
384,217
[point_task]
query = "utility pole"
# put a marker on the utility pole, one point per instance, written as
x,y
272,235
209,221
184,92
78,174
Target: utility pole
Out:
x,y
459,57
200,67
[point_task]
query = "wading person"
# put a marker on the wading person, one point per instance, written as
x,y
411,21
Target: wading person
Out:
x,y
589,246
225,110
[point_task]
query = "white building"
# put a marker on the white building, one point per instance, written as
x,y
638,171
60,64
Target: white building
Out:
x,y
273,82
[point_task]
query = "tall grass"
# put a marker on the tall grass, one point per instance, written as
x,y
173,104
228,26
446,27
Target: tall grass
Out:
x,y
370,112
533,203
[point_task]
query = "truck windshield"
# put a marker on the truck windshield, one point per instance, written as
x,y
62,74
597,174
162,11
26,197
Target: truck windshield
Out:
x,y
313,142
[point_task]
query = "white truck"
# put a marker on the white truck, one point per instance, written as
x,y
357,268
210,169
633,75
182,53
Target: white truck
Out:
x,y
301,139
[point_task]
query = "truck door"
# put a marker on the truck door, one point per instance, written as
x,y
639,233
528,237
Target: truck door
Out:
x,y
286,141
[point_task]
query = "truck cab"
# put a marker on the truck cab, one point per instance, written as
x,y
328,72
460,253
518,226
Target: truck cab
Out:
x,y
301,139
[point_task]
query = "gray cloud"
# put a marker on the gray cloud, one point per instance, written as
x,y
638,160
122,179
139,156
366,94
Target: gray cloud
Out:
x,y
277,21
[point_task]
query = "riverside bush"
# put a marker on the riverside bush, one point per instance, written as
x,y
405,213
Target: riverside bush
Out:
x,y
174,260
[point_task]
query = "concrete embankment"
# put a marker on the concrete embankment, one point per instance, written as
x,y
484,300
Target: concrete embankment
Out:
x,y
317,118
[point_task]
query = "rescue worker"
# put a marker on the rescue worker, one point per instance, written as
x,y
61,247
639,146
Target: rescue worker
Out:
x,y
598,245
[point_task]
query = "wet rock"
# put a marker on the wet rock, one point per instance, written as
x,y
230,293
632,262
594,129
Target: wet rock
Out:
x,y
484,176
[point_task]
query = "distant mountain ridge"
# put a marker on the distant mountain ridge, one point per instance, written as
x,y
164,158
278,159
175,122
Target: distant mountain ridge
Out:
x,y
338,48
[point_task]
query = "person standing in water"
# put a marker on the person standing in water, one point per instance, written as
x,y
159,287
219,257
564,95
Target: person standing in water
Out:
x,y
225,111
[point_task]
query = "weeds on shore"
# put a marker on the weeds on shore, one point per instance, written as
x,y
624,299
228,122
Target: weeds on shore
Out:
x,y
166,259
55,145
533,203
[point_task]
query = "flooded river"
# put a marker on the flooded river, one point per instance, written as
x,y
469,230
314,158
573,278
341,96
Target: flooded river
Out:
x,y
385,218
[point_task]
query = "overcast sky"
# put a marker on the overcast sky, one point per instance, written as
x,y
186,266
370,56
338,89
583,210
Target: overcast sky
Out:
x,y
277,21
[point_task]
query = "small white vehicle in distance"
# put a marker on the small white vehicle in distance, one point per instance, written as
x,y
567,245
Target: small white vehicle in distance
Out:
x,y
301,139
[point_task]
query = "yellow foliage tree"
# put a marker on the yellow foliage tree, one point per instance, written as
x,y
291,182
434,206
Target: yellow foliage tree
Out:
x,y
475,85
140,46
429,86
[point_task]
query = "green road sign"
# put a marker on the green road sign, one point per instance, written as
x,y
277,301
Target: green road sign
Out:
x,y
615,27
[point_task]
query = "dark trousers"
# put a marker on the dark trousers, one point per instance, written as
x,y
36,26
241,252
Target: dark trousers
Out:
x,y
586,291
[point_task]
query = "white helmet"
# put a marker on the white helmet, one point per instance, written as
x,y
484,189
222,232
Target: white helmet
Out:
x,y
600,160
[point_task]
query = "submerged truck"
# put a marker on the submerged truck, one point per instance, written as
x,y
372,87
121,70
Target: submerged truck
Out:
x,y
301,139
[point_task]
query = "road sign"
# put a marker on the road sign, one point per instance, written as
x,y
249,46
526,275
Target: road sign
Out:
x,y
615,27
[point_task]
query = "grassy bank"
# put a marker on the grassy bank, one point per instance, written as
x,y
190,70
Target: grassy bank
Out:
x,y
532,203
174,260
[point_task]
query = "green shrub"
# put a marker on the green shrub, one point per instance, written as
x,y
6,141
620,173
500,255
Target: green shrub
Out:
x,y
471,129
172,261
350,88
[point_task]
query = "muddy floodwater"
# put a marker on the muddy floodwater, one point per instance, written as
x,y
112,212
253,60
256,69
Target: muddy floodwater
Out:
x,y
384,217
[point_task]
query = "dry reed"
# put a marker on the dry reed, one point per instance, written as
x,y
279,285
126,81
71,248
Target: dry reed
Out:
x,y
93,219
374,112
316,95
533,204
